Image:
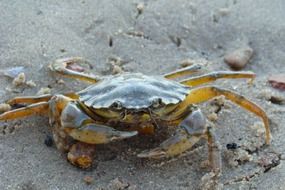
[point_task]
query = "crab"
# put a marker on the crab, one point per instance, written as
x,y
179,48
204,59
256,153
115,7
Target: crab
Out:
x,y
84,119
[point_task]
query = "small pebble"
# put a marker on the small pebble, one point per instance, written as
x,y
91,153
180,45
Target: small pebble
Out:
x,y
238,59
19,80
44,90
213,116
186,63
88,179
31,83
60,81
115,60
4,107
118,183
232,146
224,11
277,81
48,141
116,69
140,8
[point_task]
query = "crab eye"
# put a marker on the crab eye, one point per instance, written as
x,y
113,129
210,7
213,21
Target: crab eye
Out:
x,y
156,102
117,105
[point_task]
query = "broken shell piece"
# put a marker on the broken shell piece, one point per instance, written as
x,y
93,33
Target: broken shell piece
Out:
x,y
19,80
4,107
277,81
12,72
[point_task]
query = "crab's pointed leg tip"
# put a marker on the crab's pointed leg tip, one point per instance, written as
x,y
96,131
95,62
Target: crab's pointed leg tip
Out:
x,y
123,135
154,153
129,134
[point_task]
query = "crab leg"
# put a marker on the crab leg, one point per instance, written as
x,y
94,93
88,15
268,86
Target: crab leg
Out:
x,y
61,66
182,72
36,99
202,94
70,117
71,122
211,77
99,134
33,109
188,133
214,154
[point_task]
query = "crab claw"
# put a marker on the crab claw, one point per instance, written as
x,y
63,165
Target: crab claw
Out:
x,y
60,65
172,146
70,67
99,134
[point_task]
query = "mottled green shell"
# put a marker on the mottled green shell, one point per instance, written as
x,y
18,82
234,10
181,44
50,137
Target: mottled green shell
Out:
x,y
133,91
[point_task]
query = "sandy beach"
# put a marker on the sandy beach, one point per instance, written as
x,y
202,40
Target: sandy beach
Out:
x,y
150,37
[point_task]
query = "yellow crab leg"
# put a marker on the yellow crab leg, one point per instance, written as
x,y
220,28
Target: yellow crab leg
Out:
x,y
188,133
33,109
36,99
182,72
211,77
203,94
60,66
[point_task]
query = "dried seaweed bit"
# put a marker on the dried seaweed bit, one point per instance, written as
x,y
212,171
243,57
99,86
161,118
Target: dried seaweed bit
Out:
x,y
12,72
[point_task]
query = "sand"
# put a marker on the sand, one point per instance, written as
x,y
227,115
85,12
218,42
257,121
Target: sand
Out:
x,y
151,37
